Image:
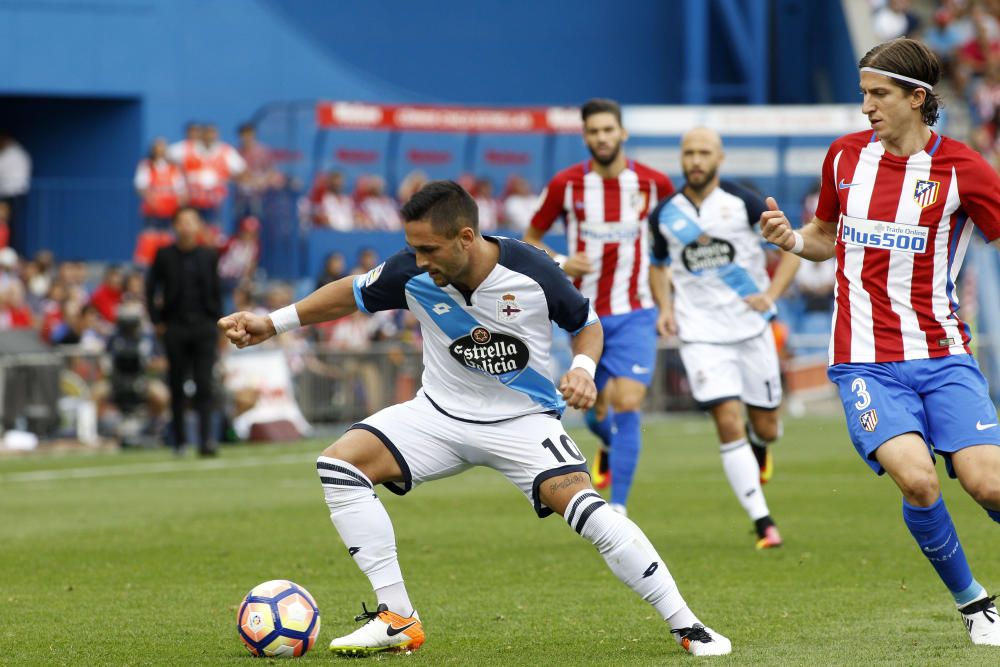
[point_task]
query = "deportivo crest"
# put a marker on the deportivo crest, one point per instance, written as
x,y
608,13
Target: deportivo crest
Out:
x,y
869,420
508,308
925,193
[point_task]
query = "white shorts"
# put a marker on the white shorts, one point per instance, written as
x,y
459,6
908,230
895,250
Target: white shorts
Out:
x,y
747,371
428,444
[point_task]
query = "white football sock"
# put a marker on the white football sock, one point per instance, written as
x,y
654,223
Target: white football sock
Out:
x,y
684,618
395,598
365,528
626,551
743,474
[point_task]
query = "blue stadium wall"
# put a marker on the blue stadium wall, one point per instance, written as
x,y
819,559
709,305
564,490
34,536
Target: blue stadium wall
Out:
x,y
86,84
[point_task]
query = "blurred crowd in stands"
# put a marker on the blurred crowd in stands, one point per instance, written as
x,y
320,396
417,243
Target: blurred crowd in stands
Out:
x,y
370,207
88,312
78,307
198,170
965,34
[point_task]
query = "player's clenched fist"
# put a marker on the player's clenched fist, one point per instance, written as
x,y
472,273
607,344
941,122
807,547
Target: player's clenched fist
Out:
x,y
774,226
244,329
578,388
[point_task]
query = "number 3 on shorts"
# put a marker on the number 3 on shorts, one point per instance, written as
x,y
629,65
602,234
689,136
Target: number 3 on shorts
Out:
x,y
861,389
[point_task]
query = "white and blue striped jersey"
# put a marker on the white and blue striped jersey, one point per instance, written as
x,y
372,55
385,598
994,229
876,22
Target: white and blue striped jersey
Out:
x,y
716,258
487,353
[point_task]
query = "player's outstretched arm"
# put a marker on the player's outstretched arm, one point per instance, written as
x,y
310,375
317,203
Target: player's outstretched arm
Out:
x,y
577,385
330,302
818,238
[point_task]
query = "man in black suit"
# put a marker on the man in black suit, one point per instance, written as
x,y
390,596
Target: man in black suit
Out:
x,y
185,300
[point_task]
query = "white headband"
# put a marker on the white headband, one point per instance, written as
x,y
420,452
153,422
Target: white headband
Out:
x,y
893,75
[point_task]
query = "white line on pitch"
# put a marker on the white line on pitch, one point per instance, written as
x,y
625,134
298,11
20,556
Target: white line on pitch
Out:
x,y
150,468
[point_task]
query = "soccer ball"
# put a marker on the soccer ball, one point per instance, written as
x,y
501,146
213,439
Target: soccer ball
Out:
x,y
278,618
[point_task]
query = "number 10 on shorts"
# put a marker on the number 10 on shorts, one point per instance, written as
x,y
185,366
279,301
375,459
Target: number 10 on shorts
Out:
x,y
568,446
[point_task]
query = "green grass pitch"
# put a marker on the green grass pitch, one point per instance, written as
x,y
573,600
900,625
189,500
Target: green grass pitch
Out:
x,y
140,559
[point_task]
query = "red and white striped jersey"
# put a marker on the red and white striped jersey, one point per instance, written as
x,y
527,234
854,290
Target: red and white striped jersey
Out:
x,y
902,232
606,219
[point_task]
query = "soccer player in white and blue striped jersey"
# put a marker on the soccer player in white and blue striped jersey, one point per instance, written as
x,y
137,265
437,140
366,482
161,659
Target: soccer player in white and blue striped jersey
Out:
x,y
719,302
485,305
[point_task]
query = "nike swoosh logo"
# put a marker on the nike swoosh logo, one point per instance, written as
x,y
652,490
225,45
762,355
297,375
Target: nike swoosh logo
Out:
x,y
639,370
931,550
982,427
843,186
392,630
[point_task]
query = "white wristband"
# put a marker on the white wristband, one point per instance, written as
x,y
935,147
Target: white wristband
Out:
x,y
285,319
560,260
799,244
586,363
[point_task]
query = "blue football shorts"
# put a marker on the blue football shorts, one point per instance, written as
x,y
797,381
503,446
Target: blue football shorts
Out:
x,y
629,347
945,400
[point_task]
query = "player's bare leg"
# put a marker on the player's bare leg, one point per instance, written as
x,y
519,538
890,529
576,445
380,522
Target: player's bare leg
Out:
x,y
908,462
978,469
742,471
631,557
763,429
625,397
349,470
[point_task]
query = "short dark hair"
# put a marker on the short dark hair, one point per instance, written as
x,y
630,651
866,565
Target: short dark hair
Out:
x,y
182,209
601,105
446,205
911,58
245,127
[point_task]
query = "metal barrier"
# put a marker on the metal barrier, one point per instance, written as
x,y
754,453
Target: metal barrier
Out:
x,y
43,390
336,386
29,392
39,391
349,386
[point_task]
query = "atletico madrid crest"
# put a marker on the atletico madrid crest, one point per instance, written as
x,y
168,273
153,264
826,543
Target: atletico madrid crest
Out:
x,y
640,201
925,193
869,420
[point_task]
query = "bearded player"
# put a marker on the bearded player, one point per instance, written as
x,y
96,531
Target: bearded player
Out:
x,y
605,202
711,284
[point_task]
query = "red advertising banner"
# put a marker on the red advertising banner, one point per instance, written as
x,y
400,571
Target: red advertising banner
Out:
x,y
430,118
